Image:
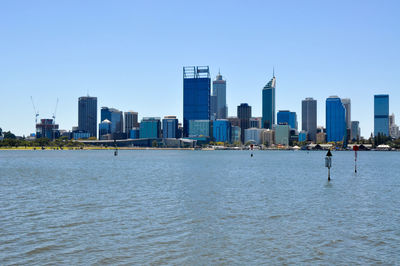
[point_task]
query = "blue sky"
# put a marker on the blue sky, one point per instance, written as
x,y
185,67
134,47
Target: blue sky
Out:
x,y
130,55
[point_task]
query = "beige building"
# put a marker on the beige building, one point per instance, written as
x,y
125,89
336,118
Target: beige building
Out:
x,y
321,137
268,137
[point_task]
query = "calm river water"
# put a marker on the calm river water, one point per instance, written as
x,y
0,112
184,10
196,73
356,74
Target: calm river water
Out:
x,y
198,208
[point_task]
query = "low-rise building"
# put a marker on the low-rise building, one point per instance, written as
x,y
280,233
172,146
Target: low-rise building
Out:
x,y
268,137
282,134
199,128
253,135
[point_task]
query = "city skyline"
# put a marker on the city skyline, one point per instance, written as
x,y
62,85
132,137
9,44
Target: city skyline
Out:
x,y
352,53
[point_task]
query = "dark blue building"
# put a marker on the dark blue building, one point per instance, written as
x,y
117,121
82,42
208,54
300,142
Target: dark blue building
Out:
x,y
170,127
381,114
196,95
115,117
87,115
287,117
335,120
222,130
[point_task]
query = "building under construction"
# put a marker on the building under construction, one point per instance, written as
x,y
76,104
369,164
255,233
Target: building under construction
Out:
x,y
47,129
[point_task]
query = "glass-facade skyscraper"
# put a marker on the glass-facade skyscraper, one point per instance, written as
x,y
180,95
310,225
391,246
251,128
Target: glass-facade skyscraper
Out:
x,y
219,91
115,117
381,114
287,117
309,117
268,104
196,95
355,130
244,115
87,115
347,106
335,120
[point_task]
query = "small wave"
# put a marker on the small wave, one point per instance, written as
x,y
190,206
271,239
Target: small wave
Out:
x,y
39,250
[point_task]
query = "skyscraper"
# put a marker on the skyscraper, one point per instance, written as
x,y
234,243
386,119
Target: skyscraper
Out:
x,y
219,91
335,120
244,115
131,121
355,130
309,117
196,95
87,115
290,118
115,117
268,104
381,114
347,105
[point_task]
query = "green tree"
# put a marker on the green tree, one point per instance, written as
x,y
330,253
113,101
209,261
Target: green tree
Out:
x,y
9,135
154,143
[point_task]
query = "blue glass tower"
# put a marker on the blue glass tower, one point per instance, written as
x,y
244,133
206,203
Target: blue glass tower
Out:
x,y
268,104
170,127
335,120
381,114
150,128
222,130
196,95
287,117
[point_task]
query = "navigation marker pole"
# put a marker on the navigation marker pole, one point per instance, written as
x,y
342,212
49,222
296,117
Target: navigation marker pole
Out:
x,y
328,163
355,149
251,147
116,149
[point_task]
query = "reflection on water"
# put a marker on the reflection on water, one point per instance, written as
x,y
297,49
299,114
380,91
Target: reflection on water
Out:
x,y
198,207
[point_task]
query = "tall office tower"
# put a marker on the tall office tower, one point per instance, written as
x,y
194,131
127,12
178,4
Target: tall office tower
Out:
x,y
355,130
115,117
219,91
335,120
170,127
391,120
290,118
381,114
347,106
309,117
244,115
87,115
268,104
196,95
130,121
213,107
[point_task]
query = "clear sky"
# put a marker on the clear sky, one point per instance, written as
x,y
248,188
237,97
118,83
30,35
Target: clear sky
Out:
x,y
130,55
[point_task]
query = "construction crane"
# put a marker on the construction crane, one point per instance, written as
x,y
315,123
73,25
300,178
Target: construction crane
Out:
x,y
54,114
54,120
36,111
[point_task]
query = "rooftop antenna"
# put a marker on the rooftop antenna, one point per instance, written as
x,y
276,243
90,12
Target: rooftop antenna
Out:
x,y
273,72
